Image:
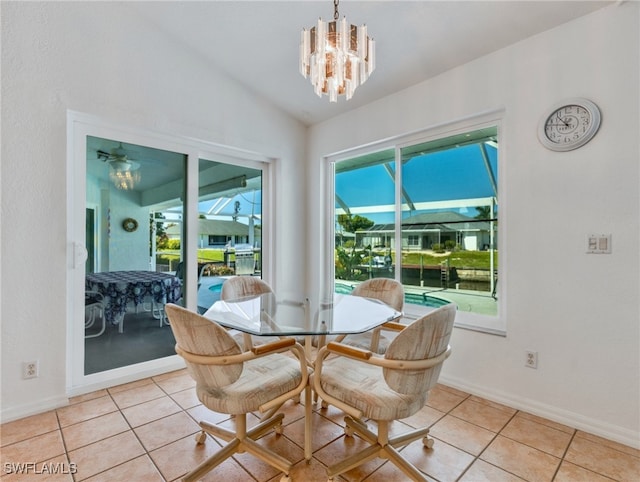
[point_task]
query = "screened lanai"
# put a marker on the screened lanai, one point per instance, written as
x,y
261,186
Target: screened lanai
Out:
x,y
424,213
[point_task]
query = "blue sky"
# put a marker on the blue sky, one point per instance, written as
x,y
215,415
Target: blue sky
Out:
x,y
457,173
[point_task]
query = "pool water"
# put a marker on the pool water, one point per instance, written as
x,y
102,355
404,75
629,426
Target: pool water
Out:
x,y
414,298
217,288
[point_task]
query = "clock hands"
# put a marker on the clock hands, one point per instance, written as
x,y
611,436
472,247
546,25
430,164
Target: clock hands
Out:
x,y
562,120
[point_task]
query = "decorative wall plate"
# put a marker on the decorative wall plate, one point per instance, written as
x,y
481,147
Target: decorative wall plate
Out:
x,y
130,225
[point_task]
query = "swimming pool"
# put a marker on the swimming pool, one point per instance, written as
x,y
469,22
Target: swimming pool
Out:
x,y
214,286
414,298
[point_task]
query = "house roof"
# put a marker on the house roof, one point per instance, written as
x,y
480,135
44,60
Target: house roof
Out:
x,y
436,221
217,227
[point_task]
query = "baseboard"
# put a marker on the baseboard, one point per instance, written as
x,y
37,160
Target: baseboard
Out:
x,y
597,427
120,376
28,409
93,383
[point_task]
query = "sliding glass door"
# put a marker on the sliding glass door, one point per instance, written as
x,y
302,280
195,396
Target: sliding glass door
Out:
x,y
126,289
153,220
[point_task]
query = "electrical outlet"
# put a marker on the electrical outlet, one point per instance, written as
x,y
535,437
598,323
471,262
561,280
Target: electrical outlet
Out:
x,y
30,369
531,359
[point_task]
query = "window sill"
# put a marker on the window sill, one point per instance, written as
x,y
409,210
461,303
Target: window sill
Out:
x,y
492,325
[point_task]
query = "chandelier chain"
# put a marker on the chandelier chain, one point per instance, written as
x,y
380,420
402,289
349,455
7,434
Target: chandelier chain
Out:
x,y
336,15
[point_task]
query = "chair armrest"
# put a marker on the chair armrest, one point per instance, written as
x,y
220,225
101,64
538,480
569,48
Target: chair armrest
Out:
x,y
370,358
273,346
349,351
278,346
393,326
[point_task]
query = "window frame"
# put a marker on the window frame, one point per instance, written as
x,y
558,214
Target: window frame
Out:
x,y
495,325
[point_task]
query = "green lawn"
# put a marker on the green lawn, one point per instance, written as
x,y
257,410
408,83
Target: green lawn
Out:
x,y
204,255
457,259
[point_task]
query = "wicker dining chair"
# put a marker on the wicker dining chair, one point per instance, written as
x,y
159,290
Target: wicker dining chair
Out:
x,y
237,382
388,291
383,388
238,287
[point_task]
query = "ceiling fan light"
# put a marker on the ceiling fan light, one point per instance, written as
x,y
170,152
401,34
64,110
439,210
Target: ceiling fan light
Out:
x,y
125,175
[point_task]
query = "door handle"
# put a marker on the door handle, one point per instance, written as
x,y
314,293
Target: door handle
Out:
x,y
80,255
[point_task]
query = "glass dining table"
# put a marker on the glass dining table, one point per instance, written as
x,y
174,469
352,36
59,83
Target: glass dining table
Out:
x,y
266,315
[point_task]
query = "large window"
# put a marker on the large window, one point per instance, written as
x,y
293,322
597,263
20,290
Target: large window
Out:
x,y
426,214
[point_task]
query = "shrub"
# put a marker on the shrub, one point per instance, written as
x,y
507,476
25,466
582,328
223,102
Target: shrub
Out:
x,y
217,270
449,245
173,244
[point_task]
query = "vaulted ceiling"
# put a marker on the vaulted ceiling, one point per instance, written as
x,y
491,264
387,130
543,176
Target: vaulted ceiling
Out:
x,y
257,42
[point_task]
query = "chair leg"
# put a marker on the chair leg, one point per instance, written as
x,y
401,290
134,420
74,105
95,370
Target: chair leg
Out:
x,y
240,441
216,431
407,438
265,455
216,459
381,447
403,464
354,425
362,457
263,427
307,424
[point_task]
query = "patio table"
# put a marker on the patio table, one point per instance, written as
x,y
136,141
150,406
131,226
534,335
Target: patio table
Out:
x,y
121,287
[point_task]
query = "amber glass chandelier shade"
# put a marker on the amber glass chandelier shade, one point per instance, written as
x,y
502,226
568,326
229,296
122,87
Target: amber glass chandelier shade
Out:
x,y
336,57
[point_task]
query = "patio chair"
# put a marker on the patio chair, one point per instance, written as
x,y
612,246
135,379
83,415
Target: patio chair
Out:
x,y
384,388
93,308
236,382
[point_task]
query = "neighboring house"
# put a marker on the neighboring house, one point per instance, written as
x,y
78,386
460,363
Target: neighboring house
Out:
x,y
218,233
342,237
424,230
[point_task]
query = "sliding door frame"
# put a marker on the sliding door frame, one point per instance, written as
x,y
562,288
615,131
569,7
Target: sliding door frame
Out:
x,y
79,126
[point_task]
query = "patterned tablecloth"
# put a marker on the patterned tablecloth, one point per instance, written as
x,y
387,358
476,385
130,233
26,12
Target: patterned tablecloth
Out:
x,y
121,287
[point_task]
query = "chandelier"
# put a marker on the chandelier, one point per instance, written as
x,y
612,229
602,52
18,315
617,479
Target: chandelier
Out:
x,y
336,56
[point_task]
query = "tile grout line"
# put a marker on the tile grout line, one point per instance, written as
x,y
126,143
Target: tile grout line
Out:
x,y
317,411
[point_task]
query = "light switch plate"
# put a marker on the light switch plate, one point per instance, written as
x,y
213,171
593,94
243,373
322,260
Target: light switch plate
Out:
x,y
599,244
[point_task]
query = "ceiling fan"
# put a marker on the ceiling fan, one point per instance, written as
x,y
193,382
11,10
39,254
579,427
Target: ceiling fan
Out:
x,y
123,172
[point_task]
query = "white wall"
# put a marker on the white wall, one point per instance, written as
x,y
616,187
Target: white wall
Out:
x,y
99,58
579,311
121,250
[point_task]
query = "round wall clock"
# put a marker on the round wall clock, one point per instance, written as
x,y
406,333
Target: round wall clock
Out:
x,y
130,225
569,125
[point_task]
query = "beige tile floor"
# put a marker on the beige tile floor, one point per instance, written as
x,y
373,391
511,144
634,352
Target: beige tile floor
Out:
x,y
144,431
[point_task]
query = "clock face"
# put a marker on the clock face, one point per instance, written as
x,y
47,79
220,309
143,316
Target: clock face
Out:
x,y
570,125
